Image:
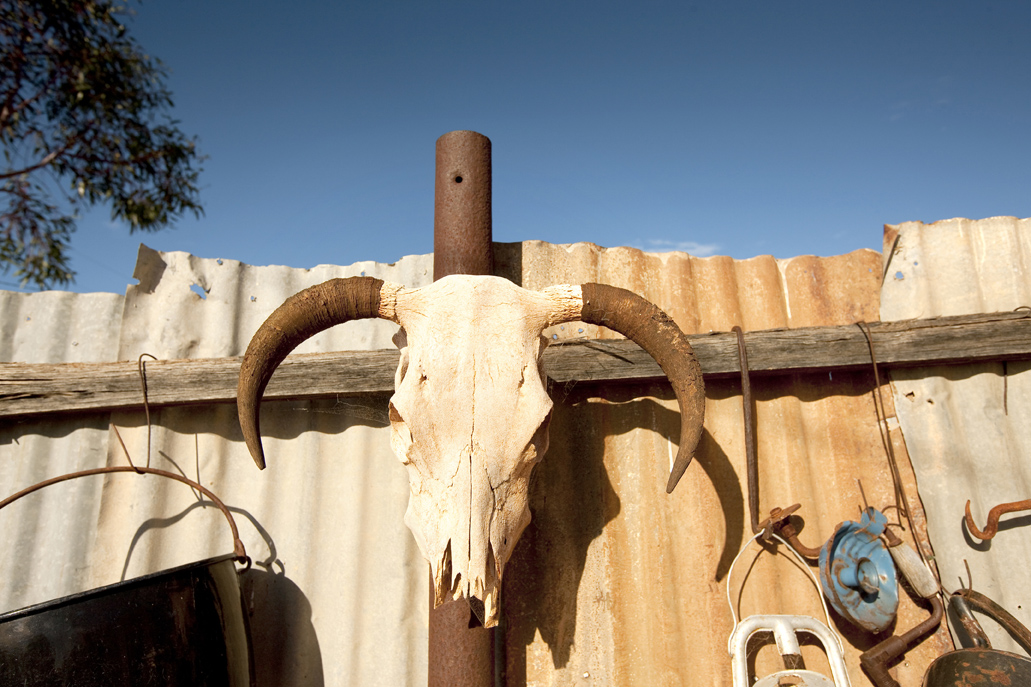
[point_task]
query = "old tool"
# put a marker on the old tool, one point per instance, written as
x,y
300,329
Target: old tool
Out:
x,y
785,629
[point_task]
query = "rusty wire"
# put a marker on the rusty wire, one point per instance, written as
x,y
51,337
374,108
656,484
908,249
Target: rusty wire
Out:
x,y
970,579
901,500
1005,388
862,493
751,459
118,434
1005,368
882,425
238,549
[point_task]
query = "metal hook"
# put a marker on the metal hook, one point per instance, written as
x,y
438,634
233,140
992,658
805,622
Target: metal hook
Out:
x,y
991,528
141,367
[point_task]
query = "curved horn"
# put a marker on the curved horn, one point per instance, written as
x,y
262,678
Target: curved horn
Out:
x,y
300,317
655,332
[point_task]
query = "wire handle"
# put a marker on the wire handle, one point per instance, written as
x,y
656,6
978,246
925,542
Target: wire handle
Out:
x,y
805,566
238,549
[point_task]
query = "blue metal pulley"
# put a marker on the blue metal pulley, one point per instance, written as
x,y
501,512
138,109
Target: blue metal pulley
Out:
x,y
858,575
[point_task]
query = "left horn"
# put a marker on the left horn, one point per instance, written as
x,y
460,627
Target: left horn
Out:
x,y
656,332
300,317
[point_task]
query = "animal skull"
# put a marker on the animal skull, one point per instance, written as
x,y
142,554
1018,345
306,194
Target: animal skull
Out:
x,y
470,411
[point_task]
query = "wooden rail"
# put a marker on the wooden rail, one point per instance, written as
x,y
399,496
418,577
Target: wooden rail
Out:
x,y
30,389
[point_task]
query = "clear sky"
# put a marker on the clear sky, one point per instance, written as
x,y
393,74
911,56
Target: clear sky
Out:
x,y
732,128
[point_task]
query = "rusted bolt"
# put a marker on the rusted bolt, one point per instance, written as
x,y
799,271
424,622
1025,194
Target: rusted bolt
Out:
x,y
780,520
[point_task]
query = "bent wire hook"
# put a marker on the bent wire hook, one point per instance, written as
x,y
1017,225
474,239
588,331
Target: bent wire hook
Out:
x,y
992,527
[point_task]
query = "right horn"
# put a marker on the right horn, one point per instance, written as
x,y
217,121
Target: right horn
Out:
x,y
300,317
656,332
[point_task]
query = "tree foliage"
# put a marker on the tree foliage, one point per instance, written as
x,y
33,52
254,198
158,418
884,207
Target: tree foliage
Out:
x,y
84,120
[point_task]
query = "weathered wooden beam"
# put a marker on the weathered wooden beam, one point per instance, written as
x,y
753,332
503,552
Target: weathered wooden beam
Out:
x,y
29,389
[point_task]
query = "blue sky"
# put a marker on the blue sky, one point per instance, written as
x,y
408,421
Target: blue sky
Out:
x,y
732,128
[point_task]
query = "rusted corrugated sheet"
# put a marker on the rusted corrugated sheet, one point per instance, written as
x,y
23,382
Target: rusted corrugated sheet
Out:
x,y
617,583
966,426
614,583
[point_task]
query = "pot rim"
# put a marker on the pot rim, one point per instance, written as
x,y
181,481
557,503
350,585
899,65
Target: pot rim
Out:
x,y
121,585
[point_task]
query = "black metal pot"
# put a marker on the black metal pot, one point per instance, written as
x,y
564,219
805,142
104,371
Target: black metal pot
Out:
x,y
179,627
977,667
978,663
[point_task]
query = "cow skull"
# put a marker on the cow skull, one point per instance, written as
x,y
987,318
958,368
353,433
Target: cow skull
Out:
x,y
470,411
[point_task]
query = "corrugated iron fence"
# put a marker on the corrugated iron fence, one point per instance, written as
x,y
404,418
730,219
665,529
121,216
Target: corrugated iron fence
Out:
x,y
614,582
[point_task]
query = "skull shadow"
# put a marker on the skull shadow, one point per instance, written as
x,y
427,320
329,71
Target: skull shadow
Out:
x,y
572,499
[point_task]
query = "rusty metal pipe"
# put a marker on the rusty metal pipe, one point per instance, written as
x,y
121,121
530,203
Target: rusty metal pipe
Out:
x,y
462,241
991,528
460,655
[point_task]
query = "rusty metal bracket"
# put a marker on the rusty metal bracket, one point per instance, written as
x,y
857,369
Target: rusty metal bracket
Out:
x,y
786,528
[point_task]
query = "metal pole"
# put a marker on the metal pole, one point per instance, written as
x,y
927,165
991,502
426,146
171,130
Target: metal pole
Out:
x,y
462,211
459,655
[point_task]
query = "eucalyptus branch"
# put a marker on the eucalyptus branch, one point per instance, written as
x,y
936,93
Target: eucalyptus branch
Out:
x,y
47,159
10,110
120,162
